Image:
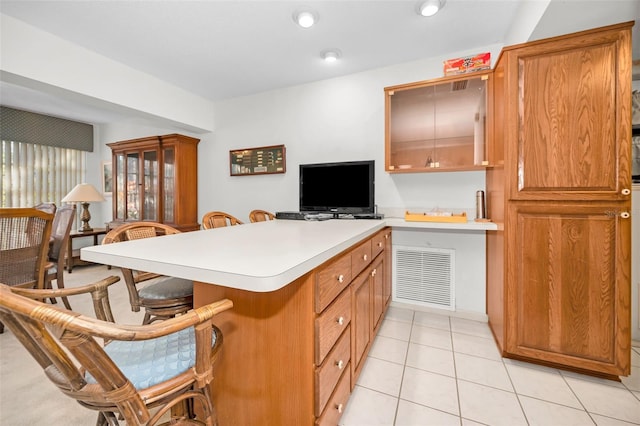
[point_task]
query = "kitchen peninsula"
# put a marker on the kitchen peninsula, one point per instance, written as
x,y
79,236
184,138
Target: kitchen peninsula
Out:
x,y
308,298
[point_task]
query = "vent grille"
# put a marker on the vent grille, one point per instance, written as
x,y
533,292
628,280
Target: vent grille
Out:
x,y
459,85
424,276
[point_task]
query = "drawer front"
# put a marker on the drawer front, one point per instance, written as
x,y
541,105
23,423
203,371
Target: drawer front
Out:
x,y
331,280
331,324
378,243
360,257
332,368
338,401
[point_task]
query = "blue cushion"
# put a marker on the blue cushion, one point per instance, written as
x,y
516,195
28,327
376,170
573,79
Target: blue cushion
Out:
x,y
149,362
167,288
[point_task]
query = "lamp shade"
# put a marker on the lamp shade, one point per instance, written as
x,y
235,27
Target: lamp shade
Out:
x,y
83,192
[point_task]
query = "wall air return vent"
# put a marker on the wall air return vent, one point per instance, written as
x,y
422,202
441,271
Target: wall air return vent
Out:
x,y
456,86
424,276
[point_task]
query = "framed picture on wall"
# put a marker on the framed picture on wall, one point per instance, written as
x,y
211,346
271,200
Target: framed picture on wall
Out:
x,y
257,161
107,177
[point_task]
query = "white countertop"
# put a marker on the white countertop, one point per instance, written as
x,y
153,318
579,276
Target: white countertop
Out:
x,y
260,257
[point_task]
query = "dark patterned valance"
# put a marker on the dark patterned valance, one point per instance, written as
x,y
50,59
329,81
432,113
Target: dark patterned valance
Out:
x,y
29,127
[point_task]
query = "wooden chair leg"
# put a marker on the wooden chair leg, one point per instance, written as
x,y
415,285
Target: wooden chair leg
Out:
x,y
60,284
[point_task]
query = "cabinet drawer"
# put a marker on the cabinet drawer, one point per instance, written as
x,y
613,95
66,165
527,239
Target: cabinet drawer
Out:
x,y
331,280
330,325
338,401
378,243
360,257
333,366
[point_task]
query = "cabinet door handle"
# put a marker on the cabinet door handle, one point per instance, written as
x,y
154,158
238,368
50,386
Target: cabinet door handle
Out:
x,y
626,191
340,364
339,408
364,257
374,272
625,215
380,244
340,320
341,278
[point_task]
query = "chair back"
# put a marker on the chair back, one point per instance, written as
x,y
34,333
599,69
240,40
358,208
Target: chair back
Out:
x,y
47,207
136,231
24,246
261,216
60,230
219,219
66,345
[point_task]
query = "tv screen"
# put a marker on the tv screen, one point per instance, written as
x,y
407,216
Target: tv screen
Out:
x,y
340,188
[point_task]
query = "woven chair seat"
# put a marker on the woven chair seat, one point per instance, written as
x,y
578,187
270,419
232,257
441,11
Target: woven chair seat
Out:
x,y
149,362
167,288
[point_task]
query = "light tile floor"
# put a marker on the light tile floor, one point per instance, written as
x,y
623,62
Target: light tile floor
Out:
x,y
423,369
430,369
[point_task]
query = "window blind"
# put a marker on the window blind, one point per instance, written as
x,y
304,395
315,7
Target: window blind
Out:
x,y
32,173
24,126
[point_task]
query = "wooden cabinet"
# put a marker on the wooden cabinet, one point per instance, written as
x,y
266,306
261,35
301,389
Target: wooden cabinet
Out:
x,y
289,355
559,265
438,125
155,179
361,323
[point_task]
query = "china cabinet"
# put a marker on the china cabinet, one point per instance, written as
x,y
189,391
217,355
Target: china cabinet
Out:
x,y
155,179
438,125
558,268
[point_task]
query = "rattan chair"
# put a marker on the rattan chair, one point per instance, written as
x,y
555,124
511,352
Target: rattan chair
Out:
x,y
24,244
219,219
62,223
161,297
139,375
261,216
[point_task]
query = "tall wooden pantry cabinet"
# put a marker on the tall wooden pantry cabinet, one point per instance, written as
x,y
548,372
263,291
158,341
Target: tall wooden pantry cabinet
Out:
x,y
558,284
156,179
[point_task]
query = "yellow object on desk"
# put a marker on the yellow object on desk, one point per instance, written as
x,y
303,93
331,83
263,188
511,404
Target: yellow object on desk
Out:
x,y
434,217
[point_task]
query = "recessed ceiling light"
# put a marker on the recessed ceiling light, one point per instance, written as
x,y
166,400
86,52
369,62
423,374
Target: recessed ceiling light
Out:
x,y
430,7
331,55
305,18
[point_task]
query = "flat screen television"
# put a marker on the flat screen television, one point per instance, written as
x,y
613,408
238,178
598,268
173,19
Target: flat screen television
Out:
x,y
338,188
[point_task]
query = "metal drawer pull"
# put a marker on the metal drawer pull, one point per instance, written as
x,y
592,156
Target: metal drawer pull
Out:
x,y
341,278
364,257
340,365
379,244
626,191
340,320
625,215
373,273
339,408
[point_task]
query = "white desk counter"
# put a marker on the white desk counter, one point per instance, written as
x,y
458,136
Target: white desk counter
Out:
x,y
259,257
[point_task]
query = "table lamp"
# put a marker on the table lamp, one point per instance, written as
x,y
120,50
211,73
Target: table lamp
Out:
x,y
84,193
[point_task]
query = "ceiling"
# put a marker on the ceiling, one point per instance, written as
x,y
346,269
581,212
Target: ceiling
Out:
x,y
224,49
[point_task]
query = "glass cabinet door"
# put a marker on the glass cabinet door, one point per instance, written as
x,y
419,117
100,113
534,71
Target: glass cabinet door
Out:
x,y
169,156
151,185
412,128
133,186
120,186
460,122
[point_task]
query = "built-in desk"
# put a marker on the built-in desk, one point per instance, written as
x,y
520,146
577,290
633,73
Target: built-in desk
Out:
x,y
308,299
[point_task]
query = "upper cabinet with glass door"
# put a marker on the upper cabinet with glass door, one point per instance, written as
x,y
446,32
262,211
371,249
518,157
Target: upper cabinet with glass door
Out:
x,y
438,125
